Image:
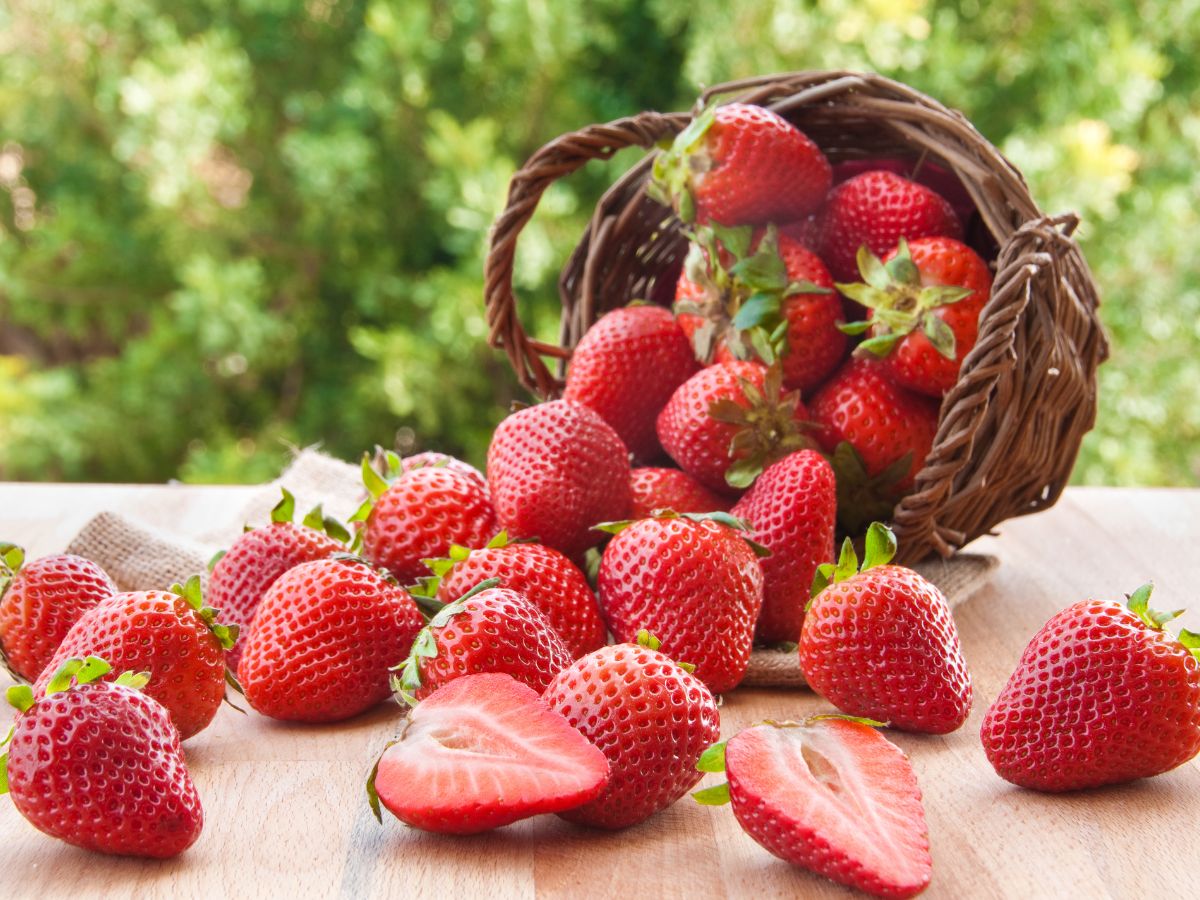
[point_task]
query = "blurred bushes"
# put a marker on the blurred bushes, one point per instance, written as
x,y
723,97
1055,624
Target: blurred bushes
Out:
x,y
230,227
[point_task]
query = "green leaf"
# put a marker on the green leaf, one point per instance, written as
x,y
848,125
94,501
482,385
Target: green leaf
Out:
x,y
866,295
880,546
879,345
613,527
191,592
372,794
1190,640
363,512
735,240
743,472
646,639
729,520
93,667
853,328
713,796
755,310
688,667
727,412
285,509
20,697
135,680
940,335
687,206
458,553
216,558
900,268
806,287
425,644
762,345
4,772
847,564
395,465
12,556
61,680
500,540
712,759
335,529
872,270
315,519
943,295
374,482
821,579
764,271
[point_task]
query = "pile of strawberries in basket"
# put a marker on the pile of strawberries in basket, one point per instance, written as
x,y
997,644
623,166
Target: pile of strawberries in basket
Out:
x,y
559,630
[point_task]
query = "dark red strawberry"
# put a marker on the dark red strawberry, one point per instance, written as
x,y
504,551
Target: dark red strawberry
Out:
x,y
98,764
728,421
241,575
938,179
690,580
831,795
555,470
433,459
674,489
172,635
792,511
924,303
741,165
480,753
325,639
877,209
40,601
626,367
880,642
541,574
650,717
1102,695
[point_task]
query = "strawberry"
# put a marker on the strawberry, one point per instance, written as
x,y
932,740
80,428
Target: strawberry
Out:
x,y
740,164
746,294
555,470
878,434
98,764
673,489
924,301
1102,695
172,635
693,582
831,795
803,232
880,642
241,575
877,209
626,367
40,601
729,421
433,459
792,509
324,640
418,513
651,718
938,179
482,752
487,629
541,574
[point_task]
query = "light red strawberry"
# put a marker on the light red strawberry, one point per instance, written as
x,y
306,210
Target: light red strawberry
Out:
x,y
541,574
650,717
40,601
241,575
482,752
740,164
487,629
729,421
626,367
831,795
172,635
98,764
792,511
881,643
324,640
877,209
555,470
431,459
1102,695
923,301
694,582
674,489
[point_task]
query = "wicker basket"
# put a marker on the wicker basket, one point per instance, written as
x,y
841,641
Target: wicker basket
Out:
x,y
1010,428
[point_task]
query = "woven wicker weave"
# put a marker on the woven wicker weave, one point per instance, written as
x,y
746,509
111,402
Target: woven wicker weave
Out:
x,y
1010,428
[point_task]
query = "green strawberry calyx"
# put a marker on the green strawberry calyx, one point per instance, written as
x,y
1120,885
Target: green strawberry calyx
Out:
x,y
679,163
408,682
720,517
879,549
644,638
192,594
439,567
1139,604
377,483
12,558
900,304
863,498
372,794
284,512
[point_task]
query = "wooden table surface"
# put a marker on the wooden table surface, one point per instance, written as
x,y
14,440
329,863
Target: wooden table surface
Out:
x,y
286,816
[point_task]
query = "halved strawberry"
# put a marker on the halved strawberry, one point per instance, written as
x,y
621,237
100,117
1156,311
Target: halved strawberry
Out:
x,y
482,752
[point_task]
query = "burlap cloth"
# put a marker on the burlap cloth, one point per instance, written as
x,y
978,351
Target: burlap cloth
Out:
x,y
149,551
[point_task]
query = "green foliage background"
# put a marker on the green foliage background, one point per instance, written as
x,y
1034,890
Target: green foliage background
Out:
x,y
231,225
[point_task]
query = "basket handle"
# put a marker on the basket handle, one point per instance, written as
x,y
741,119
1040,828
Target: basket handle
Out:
x,y
559,158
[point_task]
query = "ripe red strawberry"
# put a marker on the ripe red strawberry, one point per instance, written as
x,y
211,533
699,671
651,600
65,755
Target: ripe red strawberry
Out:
x,y
433,459
170,634
877,209
832,795
626,367
673,489
480,753
792,511
555,470
241,575
690,580
924,302
938,179
651,718
729,421
881,642
324,640
97,764
1102,695
487,629
541,574
741,165
39,603
420,513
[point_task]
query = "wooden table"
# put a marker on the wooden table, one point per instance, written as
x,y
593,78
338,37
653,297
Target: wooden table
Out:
x,y
286,815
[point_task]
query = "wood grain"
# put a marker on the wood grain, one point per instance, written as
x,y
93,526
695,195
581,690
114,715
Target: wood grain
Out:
x,y
286,814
